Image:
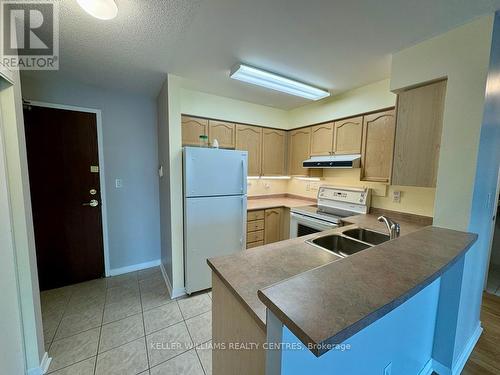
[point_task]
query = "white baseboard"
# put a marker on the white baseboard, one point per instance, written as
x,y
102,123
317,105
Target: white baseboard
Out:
x,y
428,368
43,368
174,293
462,358
134,267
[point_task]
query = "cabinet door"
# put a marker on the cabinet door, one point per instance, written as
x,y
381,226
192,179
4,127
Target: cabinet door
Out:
x,y
378,146
224,132
347,136
273,152
249,138
272,225
299,142
321,139
192,128
418,135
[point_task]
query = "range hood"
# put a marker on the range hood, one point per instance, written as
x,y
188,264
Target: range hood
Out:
x,y
335,161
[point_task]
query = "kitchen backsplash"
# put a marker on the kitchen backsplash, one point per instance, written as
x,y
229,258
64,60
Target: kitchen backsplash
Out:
x,y
415,200
266,186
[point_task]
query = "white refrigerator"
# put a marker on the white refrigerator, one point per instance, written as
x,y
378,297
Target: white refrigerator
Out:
x,y
215,210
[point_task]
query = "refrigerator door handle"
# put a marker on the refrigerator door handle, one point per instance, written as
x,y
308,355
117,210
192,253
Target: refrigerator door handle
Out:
x,y
242,242
243,177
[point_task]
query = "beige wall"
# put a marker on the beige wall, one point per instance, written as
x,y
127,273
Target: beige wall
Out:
x,y
266,187
419,201
364,99
462,55
176,198
218,107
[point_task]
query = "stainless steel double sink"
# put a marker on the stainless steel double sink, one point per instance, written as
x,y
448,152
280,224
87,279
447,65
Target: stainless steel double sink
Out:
x,y
349,242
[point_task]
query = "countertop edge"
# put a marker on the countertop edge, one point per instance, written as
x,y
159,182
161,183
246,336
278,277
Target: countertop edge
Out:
x,y
258,320
320,348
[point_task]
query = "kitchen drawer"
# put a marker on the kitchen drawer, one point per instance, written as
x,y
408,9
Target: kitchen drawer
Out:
x,y
252,226
255,244
255,215
255,236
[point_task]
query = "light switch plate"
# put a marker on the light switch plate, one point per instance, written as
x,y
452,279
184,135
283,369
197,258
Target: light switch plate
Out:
x,y
118,183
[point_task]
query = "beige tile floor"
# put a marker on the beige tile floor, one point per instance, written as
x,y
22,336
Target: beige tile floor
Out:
x,y
127,325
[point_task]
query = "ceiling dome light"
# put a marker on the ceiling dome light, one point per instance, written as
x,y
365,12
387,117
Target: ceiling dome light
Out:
x,y
102,9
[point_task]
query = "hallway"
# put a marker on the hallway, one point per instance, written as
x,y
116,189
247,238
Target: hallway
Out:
x,y
126,324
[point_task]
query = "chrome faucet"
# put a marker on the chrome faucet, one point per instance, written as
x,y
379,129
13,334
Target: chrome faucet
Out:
x,y
393,227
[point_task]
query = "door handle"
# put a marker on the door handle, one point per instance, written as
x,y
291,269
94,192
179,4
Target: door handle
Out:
x,y
243,177
92,203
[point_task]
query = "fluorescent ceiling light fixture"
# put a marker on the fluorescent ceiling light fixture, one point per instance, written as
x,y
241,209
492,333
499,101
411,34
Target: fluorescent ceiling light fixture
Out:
x,y
273,81
102,9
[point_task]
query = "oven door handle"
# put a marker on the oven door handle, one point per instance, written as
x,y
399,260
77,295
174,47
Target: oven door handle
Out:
x,y
312,220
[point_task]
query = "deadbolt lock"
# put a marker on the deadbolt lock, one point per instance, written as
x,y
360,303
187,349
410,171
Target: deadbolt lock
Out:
x,y
93,191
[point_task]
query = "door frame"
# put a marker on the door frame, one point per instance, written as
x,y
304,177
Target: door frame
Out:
x,y
102,181
496,208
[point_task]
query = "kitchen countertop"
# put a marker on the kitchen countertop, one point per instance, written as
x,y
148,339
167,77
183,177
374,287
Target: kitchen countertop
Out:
x,y
294,279
246,272
260,203
329,304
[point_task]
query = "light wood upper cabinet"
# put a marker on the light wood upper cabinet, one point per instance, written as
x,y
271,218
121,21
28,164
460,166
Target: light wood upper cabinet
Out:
x,y
192,128
273,225
299,142
273,152
378,146
249,138
224,132
347,136
321,139
418,135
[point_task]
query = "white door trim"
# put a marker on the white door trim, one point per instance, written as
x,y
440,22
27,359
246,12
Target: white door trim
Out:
x,y
104,216
496,202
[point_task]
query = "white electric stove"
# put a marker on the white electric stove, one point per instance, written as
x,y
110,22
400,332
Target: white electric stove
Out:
x,y
334,203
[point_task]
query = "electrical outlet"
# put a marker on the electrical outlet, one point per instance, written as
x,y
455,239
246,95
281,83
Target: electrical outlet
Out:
x,y
118,183
388,369
396,196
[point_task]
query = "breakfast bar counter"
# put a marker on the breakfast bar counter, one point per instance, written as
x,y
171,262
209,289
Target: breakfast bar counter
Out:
x,y
319,297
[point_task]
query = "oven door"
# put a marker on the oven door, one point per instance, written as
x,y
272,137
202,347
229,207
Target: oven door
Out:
x,y
301,225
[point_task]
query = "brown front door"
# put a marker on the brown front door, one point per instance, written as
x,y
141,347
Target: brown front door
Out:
x,y
62,162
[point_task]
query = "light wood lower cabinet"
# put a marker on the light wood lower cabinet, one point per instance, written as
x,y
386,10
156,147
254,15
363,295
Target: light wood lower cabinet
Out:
x,y
224,132
299,142
347,136
378,146
273,225
249,138
418,135
192,128
322,139
266,226
273,152
255,228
